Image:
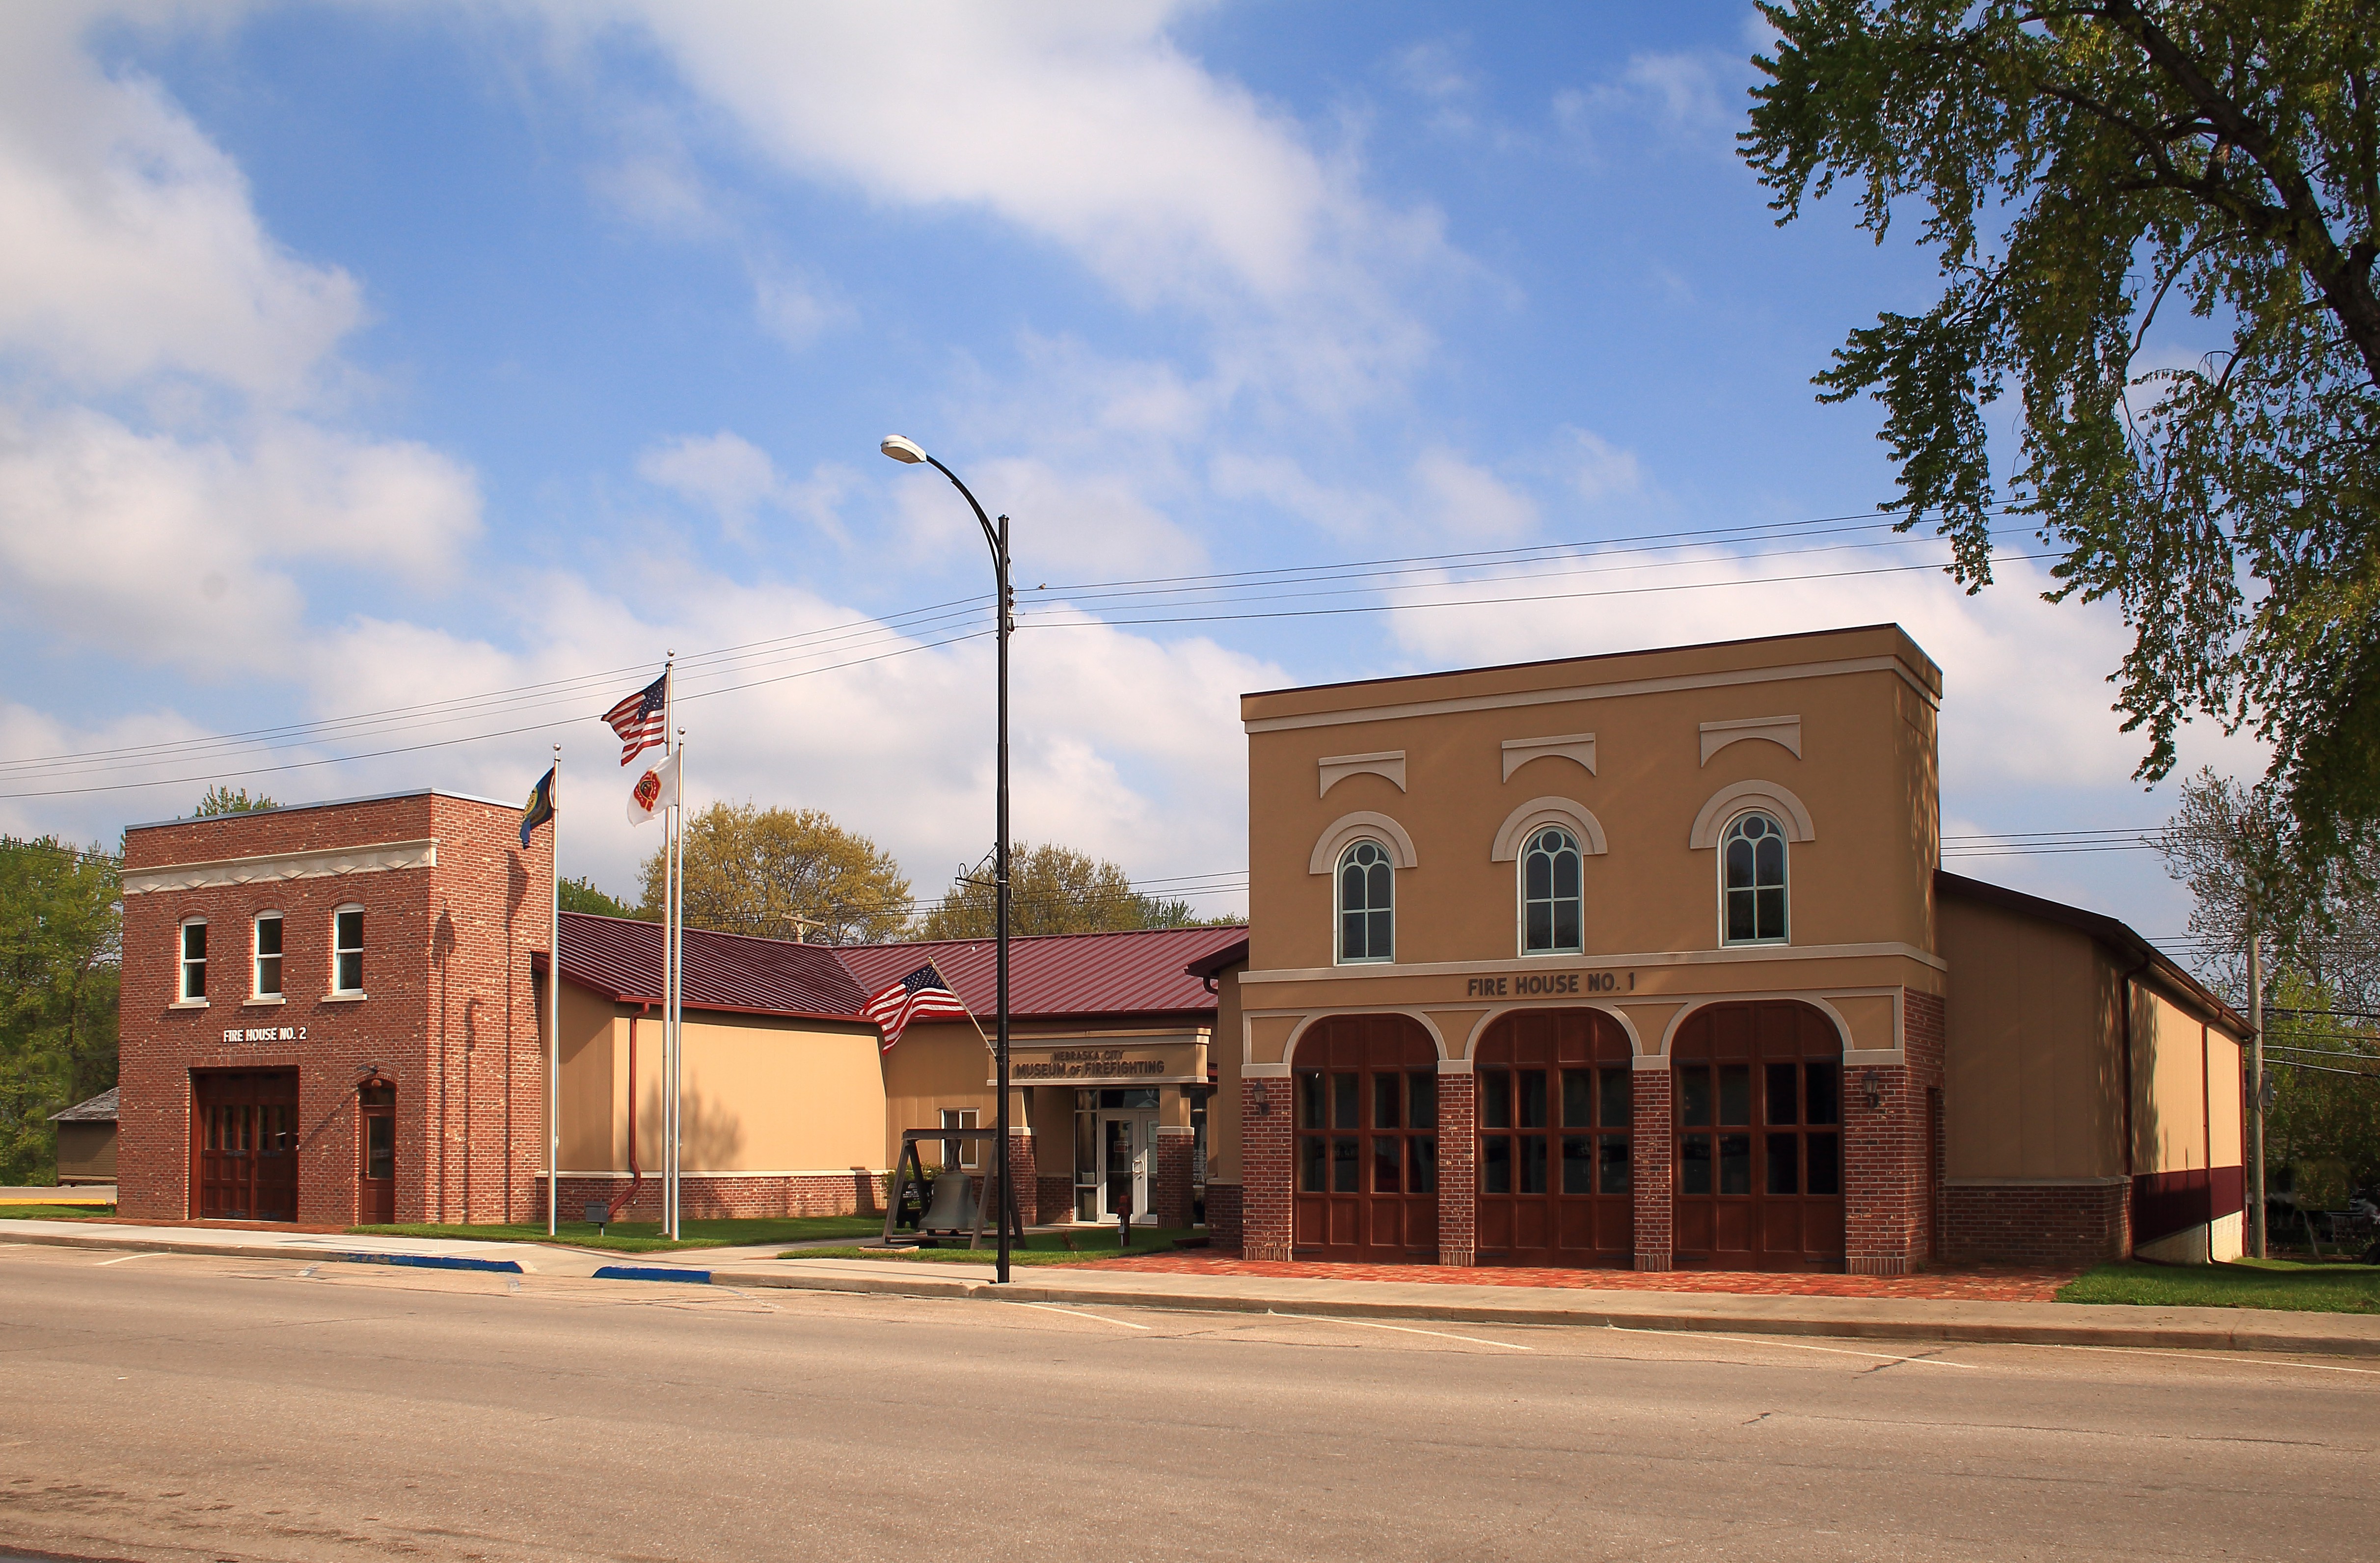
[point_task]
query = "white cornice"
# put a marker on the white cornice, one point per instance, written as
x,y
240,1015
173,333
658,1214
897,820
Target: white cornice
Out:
x,y
1399,711
1388,765
1383,973
330,863
1575,746
1785,732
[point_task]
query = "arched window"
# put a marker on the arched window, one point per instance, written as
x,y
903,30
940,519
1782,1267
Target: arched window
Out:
x,y
1752,868
1366,903
1552,903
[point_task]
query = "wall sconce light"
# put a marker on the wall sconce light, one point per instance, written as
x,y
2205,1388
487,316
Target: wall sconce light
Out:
x,y
1263,1107
1875,1092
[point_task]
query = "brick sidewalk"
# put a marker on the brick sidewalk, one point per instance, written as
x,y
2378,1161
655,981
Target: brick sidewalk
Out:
x,y
1980,1284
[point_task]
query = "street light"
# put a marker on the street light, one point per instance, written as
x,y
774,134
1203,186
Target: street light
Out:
x,y
902,449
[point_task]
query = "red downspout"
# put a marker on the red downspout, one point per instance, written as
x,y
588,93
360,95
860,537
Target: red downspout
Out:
x,y
635,1177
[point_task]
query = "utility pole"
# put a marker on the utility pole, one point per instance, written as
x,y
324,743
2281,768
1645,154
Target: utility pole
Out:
x,y
2256,1090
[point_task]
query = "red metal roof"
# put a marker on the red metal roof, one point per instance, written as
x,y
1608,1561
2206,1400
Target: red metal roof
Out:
x,y
621,958
1140,972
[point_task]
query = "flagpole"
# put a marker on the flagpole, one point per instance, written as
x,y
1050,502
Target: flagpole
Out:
x,y
553,1012
669,967
677,1009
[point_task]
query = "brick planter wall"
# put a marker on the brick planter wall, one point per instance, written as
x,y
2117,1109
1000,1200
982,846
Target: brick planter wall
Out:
x,y
2051,1225
1168,1193
1888,1174
1266,1108
710,1198
1458,1168
1651,1164
1224,1215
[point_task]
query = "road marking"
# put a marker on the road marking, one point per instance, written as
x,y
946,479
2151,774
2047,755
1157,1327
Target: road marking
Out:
x,y
2186,1356
1798,1346
127,1258
1402,1329
1053,1308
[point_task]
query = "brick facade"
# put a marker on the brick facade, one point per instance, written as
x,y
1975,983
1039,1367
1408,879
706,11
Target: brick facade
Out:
x,y
1652,1157
1021,1173
708,1197
1055,1198
1458,1168
1891,1152
1169,1193
1224,1215
449,1014
2054,1225
1266,1112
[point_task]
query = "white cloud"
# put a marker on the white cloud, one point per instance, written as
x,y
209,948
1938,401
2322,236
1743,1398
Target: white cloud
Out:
x,y
797,308
735,480
177,551
1064,525
1463,501
1601,471
132,248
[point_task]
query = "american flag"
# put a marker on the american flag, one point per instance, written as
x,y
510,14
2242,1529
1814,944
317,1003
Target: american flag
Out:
x,y
638,719
921,995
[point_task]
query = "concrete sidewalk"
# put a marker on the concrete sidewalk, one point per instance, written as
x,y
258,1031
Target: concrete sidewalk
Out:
x,y
2060,1323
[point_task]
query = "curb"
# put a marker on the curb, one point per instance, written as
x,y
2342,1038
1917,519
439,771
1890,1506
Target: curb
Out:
x,y
267,1250
651,1272
2246,1337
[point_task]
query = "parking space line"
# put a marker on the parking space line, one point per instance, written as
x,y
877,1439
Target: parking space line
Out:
x,y
1799,1346
2187,1356
127,1258
1053,1308
1402,1329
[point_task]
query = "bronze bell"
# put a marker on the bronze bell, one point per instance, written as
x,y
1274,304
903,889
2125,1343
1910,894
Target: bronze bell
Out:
x,y
953,1209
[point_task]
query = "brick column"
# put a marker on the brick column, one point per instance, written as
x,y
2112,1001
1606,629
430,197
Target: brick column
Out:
x,y
1265,1169
1224,1215
1168,1196
1651,1166
1888,1191
1458,1168
1020,1173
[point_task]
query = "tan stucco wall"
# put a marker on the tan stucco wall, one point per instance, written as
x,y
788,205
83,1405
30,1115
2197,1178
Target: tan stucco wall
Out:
x,y
2034,1076
2171,1105
1223,1106
935,1065
2227,1104
1865,774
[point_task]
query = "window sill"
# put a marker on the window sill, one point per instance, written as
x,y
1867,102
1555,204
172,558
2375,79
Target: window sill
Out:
x,y
343,997
189,1004
256,1000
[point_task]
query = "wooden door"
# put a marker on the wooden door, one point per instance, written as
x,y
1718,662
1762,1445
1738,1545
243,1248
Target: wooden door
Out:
x,y
1365,1173
1757,1104
1556,1099
243,1144
376,1145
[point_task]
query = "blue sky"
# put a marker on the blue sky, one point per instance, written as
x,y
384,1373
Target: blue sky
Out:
x,y
359,357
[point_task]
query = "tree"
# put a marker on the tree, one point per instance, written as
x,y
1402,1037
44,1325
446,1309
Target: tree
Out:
x,y
580,895
61,956
1052,890
220,799
2221,156
784,873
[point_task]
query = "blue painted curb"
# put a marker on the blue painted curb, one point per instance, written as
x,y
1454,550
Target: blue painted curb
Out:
x,y
653,1272
429,1261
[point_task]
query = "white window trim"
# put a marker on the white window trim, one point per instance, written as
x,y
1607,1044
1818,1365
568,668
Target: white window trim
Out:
x,y
1784,830
337,992
1338,909
256,994
970,1151
182,999
1520,861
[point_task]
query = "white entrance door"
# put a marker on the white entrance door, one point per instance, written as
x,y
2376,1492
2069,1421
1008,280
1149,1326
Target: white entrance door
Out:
x,y
1127,1155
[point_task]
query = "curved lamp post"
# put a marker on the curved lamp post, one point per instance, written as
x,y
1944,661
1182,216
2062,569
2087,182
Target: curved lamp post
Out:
x,y
902,449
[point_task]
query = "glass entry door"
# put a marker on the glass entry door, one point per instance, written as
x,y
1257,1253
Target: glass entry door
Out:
x,y
1127,1150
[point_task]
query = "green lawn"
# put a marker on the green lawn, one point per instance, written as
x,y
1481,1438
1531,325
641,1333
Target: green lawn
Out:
x,y
645,1237
2248,1283
1070,1247
56,1212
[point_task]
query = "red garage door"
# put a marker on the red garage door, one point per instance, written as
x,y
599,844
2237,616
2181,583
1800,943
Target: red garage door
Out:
x,y
1366,1157
1556,1100
1757,1101
243,1144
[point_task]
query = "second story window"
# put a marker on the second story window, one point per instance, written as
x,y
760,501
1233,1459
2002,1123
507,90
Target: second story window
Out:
x,y
267,955
1366,903
348,950
194,961
1752,863
1552,902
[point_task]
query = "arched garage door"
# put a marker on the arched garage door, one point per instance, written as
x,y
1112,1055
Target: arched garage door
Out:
x,y
1366,1155
1556,1098
1757,1104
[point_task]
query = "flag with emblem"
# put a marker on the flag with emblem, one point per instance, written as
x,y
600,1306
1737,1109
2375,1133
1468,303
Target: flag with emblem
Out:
x,y
639,719
922,994
539,807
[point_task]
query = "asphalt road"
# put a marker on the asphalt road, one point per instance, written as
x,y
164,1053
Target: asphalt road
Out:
x,y
162,1407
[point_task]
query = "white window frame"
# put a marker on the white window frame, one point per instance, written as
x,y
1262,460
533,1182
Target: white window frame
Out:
x,y
1521,891
1339,905
257,992
340,953
969,1156
182,962
1785,841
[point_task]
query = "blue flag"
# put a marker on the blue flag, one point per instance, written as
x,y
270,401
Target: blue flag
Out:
x,y
539,807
